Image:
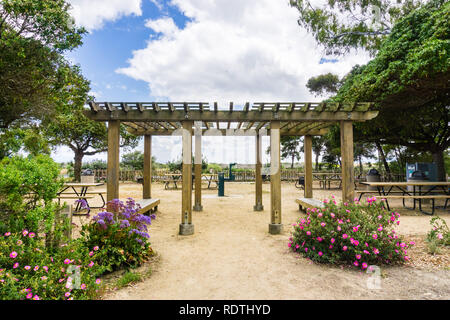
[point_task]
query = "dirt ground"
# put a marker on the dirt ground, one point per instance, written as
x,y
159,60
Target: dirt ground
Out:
x,y
232,255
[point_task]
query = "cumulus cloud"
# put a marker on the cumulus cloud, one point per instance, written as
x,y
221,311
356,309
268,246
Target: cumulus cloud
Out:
x,y
232,50
93,14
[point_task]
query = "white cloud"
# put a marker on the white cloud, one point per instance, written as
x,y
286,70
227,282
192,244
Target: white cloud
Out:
x,y
233,50
92,14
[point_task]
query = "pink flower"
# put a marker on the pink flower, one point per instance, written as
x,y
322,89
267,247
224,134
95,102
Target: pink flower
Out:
x,y
366,252
289,245
345,236
296,247
24,232
439,235
36,268
27,267
364,265
83,286
15,265
344,248
320,253
7,234
380,228
308,233
67,294
95,248
306,249
29,296
376,251
332,240
339,228
319,239
323,224
358,256
32,235
13,254
375,236
36,297
356,263
67,261
45,268
356,242
98,281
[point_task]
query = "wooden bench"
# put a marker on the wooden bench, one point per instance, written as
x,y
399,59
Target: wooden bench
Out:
x,y
304,203
148,205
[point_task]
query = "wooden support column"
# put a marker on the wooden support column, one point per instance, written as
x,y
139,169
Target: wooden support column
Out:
x,y
147,186
186,226
112,186
258,175
275,226
308,167
348,178
198,167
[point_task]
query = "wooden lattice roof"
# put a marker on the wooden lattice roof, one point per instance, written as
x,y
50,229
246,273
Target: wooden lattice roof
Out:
x,y
296,118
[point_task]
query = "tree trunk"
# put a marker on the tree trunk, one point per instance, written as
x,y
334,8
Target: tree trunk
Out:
x,y
317,161
292,163
77,165
360,166
383,159
438,159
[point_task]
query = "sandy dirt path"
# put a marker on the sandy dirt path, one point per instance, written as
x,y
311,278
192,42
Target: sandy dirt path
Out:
x,y
232,256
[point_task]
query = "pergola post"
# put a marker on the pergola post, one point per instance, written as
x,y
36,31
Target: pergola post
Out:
x,y
112,186
348,179
258,176
198,167
147,186
186,226
275,226
308,167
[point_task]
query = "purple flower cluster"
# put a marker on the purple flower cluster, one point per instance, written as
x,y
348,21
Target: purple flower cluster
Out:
x,y
126,215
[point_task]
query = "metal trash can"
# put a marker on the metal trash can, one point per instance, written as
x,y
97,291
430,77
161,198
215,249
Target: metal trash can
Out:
x,y
87,176
221,184
418,176
373,176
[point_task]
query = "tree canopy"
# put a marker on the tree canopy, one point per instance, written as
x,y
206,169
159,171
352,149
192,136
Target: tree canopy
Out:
x,y
408,80
342,25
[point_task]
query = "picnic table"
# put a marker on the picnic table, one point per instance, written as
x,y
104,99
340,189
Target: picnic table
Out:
x,y
324,178
177,177
83,193
421,190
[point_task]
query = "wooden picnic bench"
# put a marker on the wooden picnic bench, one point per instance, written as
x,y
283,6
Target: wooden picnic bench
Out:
x,y
304,203
148,205
397,190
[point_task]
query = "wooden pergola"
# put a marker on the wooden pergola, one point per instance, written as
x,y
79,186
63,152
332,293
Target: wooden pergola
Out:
x,y
188,118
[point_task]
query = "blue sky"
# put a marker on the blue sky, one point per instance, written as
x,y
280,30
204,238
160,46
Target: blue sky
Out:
x,y
192,50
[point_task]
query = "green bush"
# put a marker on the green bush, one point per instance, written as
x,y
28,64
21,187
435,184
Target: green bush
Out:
x,y
438,236
29,270
350,233
121,234
27,189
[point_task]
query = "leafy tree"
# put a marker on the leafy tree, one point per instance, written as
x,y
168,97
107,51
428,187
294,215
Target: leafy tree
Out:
x,y
408,80
135,160
72,128
342,25
33,36
290,148
323,84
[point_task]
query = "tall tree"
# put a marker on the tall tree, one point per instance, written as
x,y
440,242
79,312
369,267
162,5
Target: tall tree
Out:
x,y
33,36
70,127
290,148
342,25
409,82
323,84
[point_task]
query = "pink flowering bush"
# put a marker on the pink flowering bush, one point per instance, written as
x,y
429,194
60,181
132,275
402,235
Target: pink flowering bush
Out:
x,y
122,235
29,271
355,234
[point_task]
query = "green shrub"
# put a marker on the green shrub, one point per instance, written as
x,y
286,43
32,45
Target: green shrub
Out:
x,y
438,236
27,189
350,233
128,278
29,270
121,234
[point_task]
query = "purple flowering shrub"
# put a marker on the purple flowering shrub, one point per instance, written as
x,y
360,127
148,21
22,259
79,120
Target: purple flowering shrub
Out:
x,y
122,235
350,233
30,271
